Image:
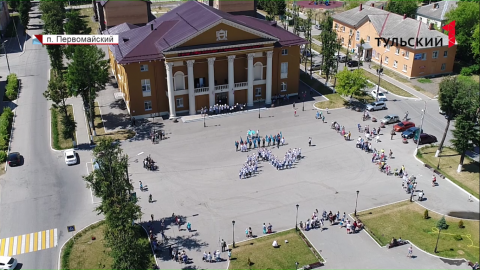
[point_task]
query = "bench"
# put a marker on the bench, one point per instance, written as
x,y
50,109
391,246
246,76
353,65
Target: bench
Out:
x,y
313,266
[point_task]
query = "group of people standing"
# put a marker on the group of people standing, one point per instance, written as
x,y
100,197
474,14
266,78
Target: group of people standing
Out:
x,y
223,109
250,167
317,221
291,156
255,141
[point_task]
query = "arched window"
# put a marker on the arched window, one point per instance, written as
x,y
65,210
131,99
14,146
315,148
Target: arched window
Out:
x,y
179,80
257,71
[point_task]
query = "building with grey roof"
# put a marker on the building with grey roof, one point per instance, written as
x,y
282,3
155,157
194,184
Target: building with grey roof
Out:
x,y
435,12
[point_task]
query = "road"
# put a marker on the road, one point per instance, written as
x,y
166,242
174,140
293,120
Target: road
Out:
x,y
43,193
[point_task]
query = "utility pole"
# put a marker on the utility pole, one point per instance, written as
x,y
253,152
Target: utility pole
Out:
x,y
338,56
421,126
379,72
6,57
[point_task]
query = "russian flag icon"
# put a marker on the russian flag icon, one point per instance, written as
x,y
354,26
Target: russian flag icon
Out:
x,y
35,41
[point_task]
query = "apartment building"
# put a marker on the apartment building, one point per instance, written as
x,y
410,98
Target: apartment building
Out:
x,y
431,56
113,13
196,56
435,12
234,7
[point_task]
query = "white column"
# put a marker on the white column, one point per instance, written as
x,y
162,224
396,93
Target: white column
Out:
x,y
268,94
191,88
211,80
171,95
231,80
250,80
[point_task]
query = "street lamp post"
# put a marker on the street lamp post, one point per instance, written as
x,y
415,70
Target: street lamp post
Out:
x,y
379,72
421,125
6,57
233,224
356,201
258,102
348,47
296,218
203,111
303,105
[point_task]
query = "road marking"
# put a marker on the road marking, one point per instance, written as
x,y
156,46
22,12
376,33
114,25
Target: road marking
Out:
x,y
26,243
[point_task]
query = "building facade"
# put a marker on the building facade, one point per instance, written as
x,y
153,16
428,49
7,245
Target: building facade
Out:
x,y
435,13
196,56
430,57
245,7
113,13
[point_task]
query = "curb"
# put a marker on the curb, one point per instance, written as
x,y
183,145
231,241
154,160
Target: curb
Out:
x,y
444,214
61,248
221,115
75,144
153,251
10,140
390,93
471,195
316,249
51,147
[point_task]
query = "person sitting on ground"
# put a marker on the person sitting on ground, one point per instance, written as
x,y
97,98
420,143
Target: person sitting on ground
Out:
x,y
475,266
275,244
204,256
394,242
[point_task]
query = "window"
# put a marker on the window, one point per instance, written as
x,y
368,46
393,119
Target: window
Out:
x,y
435,54
257,71
388,47
351,32
407,54
424,56
179,80
143,68
397,51
386,59
395,63
444,66
148,105
343,29
179,102
357,37
284,87
368,38
284,51
445,53
349,42
404,68
343,40
336,26
284,70
258,92
146,90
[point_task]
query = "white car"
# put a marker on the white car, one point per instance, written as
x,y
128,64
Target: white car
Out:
x,y
381,96
375,106
7,262
70,157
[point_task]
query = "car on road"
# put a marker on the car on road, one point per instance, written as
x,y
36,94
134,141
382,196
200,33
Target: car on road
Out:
x,y
410,133
375,106
318,27
314,67
7,263
70,157
352,63
343,58
381,96
426,139
300,28
14,159
402,126
390,119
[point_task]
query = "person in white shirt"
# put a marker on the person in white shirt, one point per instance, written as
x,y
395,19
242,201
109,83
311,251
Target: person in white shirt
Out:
x,y
275,244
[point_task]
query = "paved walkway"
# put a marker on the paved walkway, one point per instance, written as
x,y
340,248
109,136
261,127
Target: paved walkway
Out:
x,y
83,139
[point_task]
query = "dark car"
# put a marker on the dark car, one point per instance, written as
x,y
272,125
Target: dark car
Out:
x,y
426,138
352,63
402,126
409,133
14,159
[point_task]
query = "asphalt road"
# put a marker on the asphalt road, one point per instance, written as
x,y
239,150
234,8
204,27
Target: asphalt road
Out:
x,y
43,193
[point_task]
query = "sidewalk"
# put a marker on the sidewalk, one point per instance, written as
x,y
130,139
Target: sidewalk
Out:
x,y
83,139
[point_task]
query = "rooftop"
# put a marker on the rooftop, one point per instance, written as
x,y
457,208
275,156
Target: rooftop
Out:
x,y
391,25
182,23
438,10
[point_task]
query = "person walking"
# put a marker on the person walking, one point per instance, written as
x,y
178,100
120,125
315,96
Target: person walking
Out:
x,y
152,217
295,114
309,141
410,252
327,110
294,105
224,245
392,133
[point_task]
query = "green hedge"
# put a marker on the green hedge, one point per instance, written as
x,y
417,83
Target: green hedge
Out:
x,y
5,127
11,90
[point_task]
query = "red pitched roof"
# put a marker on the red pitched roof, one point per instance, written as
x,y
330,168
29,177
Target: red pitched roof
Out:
x,y
143,44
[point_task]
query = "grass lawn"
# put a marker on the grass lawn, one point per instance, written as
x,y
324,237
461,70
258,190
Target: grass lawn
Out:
x,y
263,256
87,14
334,101
424,80
2,168
86,253
468,179
100,130
386,85
405,220
58,142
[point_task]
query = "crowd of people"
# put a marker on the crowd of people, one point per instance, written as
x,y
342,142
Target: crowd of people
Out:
x,y
254,140
291,156
250,167
215,257
223,109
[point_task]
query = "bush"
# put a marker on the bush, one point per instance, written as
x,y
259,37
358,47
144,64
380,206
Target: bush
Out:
x,y
457,237
425,214
470,70
3,156
11,89
5,125
460,224
69,126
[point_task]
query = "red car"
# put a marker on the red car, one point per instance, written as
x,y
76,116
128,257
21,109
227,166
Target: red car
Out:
x,y
402,126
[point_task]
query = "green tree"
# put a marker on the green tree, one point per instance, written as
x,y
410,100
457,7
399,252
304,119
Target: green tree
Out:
x,y
466,19
87,73
475,42
449,87
441,225
350,83
329,47
13,4
24,9
57,91
408,7
53,15
110,182
76,25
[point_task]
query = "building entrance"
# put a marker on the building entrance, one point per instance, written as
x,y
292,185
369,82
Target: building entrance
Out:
x,y
221,98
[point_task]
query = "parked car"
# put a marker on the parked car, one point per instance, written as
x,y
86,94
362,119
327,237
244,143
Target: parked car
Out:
x,y
390,119
375,106
343,58
7,263
70,157
14,159
402,126
426,139
352,63
410,133
314,67
381,96
300,28
318,27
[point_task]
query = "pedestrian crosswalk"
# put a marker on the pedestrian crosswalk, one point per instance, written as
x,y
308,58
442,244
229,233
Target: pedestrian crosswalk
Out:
x,y
26,243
